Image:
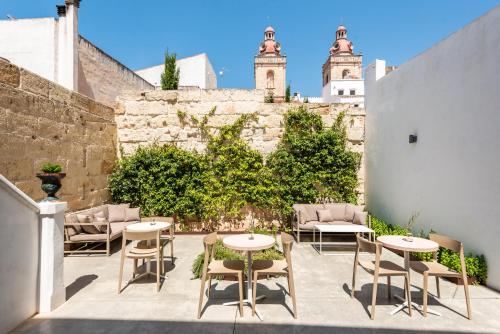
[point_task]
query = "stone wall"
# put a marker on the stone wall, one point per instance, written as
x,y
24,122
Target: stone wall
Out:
x,y
103,78
41,121
143,118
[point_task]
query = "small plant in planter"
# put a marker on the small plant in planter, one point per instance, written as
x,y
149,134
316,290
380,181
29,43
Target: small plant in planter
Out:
x,y
51,177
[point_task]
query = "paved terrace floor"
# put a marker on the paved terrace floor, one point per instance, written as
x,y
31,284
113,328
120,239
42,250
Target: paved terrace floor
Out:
x,y
323,292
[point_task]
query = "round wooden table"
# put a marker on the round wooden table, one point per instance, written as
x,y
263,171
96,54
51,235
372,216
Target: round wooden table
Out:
x,y
403,243
249,243
149,227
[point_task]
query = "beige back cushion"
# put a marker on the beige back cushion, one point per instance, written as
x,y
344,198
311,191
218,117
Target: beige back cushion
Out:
x,y
132,214
87,226
360,217
116,213
307,212
337,210
324,216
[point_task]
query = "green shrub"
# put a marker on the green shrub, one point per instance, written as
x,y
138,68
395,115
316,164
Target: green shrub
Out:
x,y
476,265
170,76
51,168
223,253
312,161
218,186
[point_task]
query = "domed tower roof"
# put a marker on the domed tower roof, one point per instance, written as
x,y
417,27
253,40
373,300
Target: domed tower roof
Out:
x,y
341,45
269,46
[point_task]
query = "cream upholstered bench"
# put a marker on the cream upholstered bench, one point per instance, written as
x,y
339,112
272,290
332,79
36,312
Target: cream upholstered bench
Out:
x,y
306,216
97,225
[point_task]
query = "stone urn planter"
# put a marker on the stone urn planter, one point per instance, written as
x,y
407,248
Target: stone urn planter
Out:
x,y
51,183
51,177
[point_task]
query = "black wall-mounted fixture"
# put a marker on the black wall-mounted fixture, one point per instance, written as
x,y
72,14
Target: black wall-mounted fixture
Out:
x,y
412,139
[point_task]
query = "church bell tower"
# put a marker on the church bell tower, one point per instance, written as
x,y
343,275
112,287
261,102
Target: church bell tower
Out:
x,y
270,67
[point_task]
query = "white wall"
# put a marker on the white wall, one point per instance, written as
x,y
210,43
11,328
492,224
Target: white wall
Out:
x,y
331,89
195,71
448,96
30,43
19,246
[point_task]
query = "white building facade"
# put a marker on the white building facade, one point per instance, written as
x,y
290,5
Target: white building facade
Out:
x,y
195,71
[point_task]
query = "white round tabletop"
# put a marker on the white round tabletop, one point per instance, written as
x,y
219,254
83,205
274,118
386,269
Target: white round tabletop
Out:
x,y
399,242
148,226
242,242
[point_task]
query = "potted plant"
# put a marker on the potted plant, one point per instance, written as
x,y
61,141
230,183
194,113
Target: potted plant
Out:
x,y
51,177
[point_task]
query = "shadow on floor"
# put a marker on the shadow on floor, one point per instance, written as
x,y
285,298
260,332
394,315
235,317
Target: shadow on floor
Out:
x,y
196,326
78,284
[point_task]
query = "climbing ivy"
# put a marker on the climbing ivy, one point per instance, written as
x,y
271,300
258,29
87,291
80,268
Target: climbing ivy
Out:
x,y
230,178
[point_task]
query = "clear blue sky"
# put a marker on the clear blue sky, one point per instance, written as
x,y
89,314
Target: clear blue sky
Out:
x,y
137,32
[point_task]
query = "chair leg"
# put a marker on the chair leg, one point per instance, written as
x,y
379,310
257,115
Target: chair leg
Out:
x,y
437,287
162,263
209,286
291,289
467,298
298,234
254,291
424,297
408,294
120,276
202,292
240,287
389,295
354,279
158,270
374,296
172,251
135,268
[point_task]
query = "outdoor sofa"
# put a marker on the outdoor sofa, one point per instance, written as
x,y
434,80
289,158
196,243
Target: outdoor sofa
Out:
x,y
305,216
98,225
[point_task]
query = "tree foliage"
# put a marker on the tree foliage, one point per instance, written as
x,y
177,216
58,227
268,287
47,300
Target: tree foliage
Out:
x,y
287,93
230,178
170,75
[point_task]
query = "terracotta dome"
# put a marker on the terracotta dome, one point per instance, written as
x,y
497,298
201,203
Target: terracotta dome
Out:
x,y
341,46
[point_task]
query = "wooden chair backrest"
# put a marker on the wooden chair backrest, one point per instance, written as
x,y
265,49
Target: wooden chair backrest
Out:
x,y
453,245
209,244
368,246
136,235
446,242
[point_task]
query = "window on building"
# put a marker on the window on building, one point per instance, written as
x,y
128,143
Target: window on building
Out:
x,y
341,92
352,92
270,79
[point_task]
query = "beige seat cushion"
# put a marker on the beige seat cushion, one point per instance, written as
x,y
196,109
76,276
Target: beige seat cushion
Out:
x,y
309,225
116,213
270,267
88,237
432,269
118,227
226,267
386,267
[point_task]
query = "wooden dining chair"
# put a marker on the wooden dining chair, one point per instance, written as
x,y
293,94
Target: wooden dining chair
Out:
x,y
167,236
219,268
265,268
433,268
141,251
377,268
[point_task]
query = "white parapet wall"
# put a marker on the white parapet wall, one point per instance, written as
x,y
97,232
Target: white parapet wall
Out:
x,y
19,246
448,97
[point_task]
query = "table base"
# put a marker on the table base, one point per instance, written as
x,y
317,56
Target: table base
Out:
x,y
418,307
248,302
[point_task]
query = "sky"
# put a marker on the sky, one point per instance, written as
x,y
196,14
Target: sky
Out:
x,y
137,33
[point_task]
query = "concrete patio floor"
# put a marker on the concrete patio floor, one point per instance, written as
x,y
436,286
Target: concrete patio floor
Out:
x,y
323,292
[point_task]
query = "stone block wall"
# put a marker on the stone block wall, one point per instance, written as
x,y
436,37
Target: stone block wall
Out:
x,y
41,121
144,118
103,78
